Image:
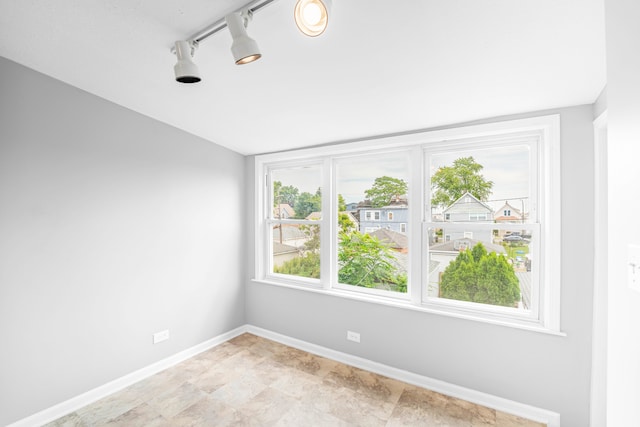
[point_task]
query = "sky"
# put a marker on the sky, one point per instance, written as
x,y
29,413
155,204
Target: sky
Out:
x,y
507,167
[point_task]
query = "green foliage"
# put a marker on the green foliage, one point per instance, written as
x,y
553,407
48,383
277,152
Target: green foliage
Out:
x,y
384,189
288,194
366,261
481,277
307,265
312,233
342,205
450,183
307,203
345,223
277,185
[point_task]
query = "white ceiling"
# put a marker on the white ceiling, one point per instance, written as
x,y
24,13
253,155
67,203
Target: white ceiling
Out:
x,y
382,66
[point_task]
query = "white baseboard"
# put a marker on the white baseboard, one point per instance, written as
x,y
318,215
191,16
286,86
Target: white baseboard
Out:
x,y
75,403
551,419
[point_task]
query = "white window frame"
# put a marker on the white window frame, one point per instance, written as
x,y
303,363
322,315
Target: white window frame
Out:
x,y
389,216
477,217
371,216
545,129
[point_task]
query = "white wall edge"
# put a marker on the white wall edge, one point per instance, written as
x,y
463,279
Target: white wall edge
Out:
x,y
550,418
53,413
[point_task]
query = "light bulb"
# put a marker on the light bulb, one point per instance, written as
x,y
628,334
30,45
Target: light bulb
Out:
x,y
312,14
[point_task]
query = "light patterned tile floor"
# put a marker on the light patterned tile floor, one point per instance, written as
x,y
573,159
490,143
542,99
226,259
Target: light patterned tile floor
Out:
x,y
251,381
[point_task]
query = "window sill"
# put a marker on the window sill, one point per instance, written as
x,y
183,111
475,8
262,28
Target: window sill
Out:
x,y
408,305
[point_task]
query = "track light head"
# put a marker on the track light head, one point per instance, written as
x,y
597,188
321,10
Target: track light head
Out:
x,y
243,48
185,69
312,16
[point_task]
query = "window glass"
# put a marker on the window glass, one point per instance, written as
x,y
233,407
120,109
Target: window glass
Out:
x,y
296,195
486,266
296,250
374,253
477,185
468,260
296,192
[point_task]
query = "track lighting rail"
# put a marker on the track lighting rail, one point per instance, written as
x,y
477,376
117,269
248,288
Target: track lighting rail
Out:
x,y
221,23
310,16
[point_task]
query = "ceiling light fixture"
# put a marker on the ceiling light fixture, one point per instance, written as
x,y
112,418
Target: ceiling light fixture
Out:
x,y
312,16
185,69
244,48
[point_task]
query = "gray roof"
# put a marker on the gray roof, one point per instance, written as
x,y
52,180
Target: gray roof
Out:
x,y
455,245
460,205
289,232
392,238
280,248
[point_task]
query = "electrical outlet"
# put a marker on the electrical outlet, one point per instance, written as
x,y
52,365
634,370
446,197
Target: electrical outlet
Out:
x,y
160,336
633,257
353,336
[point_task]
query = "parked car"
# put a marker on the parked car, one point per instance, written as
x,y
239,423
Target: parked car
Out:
x,y
513,238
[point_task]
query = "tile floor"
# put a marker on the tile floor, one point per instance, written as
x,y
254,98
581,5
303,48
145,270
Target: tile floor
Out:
x,y
251,381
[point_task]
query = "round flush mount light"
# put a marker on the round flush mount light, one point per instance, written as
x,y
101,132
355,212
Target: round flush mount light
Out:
x,y
312,16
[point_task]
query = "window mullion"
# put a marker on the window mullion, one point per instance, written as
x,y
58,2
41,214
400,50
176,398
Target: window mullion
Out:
x,y
415,228
328,234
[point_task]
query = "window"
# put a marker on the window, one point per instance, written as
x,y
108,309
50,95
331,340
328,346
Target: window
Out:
x,y
507,212
478,217
475,270
294,218
373,261
455,259
372,215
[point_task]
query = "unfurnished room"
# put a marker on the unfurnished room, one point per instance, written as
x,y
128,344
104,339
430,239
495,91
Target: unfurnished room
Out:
x,y
319,213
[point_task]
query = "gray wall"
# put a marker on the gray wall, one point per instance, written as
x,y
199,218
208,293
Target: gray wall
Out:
x,y
113,226
623,100
546,371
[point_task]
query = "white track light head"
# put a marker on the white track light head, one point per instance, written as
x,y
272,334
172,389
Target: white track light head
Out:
x,y
243,48
312,16
185,69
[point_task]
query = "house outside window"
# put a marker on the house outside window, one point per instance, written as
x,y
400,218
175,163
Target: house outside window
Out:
x,y
521,257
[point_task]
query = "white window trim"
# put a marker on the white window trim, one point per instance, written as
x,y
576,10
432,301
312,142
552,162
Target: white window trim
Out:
x,y
477,217
546,128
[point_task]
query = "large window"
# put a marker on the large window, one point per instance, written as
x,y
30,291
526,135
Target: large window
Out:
x,y
429,229
294,212
372,254
482,264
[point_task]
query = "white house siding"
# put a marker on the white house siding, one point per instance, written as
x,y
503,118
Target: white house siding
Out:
x,y
467,209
